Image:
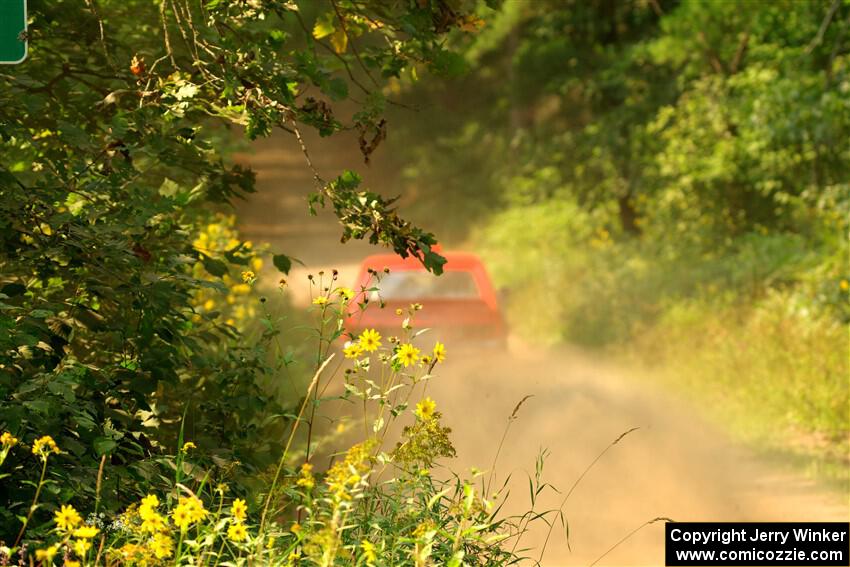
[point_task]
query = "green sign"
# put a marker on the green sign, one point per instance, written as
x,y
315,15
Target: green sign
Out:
x,y
13,31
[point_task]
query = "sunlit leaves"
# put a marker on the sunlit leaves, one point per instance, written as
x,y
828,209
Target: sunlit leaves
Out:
x,y
115,151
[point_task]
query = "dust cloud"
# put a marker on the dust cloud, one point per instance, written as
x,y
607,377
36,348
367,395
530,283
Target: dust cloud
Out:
x,y
673,465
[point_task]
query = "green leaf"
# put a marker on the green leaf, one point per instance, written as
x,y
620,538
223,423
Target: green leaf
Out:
x,y
282,262
104,445
38,406
168,188
434,262
13,289
336,88
214,267
449,64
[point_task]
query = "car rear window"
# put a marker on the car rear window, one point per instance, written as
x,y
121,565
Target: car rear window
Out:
x,y
413,285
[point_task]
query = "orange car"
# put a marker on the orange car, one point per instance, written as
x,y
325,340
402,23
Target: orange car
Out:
x,y
460,304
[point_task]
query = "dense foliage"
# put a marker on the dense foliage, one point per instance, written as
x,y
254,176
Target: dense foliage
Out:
x,y
375,504
115,133
693,121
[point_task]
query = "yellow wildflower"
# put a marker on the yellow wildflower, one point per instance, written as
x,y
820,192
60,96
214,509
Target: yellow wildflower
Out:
x,y
81,547
8,440
845,285
352,350
149,502
370,340
46,555
321,300
194,507
182,518
306,480
71,563
408,354
368,548
241,289
67,518
129,516
237,532
153,522
239,509
209,305
425,409
423,530
130,552
249,277
439,352
295,528
188,445
345,293
86,532
345,475
257,264
161,545
44,445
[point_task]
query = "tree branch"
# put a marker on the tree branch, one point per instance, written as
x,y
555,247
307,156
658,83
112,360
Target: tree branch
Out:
x,y
353,47
739,54
824,25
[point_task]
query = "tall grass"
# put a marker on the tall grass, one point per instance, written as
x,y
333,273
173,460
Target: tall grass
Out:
x,y
773,376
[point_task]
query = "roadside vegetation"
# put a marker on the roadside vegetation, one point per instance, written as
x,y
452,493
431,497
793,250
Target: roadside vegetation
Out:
x,y
383,501
156,407
666,182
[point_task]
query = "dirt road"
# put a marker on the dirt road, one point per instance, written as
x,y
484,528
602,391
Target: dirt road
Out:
x,y
675,465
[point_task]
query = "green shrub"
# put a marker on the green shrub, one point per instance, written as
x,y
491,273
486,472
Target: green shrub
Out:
x,y
378,503
114,145
588,286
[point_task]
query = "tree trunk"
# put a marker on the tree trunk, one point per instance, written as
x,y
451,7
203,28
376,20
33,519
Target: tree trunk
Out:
x,y
628,215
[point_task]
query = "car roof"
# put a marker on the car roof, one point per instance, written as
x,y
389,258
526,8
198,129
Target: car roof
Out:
x,y
454,261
